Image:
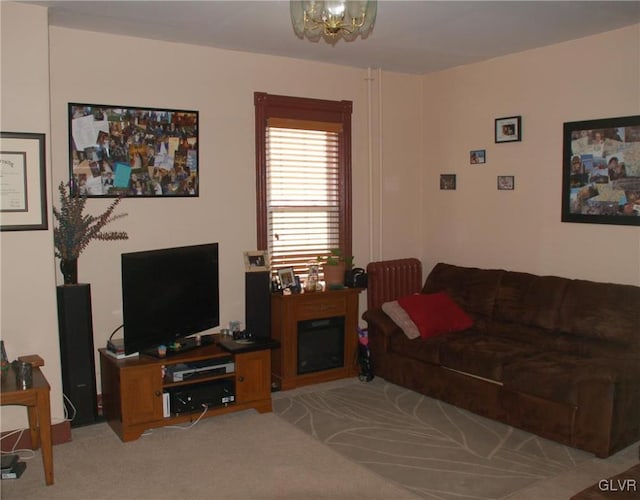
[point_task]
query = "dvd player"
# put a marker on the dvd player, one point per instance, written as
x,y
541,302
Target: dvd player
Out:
x,y
208,367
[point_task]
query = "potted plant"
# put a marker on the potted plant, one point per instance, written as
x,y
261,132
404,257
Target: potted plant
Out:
x,y
334,266
76,230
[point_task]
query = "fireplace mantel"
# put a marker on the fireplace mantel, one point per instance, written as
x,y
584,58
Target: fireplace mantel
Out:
x,y
288,310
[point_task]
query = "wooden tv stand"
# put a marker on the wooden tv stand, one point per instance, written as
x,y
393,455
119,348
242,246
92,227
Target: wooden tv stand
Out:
x,y
132,388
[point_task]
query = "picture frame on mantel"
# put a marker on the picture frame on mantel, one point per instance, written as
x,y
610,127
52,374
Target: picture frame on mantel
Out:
x,y
508,129
23,193
601,171
287,277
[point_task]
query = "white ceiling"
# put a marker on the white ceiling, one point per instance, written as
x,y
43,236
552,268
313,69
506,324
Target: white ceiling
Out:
x,y
409,36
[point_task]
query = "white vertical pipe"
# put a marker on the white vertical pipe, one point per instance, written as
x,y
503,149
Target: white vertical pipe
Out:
x,y
370,145
380,170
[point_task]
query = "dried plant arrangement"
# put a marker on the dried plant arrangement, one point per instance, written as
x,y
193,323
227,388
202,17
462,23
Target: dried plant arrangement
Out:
x,y
75,229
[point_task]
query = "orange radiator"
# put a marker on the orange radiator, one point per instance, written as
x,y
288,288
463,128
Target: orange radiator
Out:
x,y
390,279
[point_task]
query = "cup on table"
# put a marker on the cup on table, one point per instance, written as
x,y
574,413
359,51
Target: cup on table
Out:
x,y
24,374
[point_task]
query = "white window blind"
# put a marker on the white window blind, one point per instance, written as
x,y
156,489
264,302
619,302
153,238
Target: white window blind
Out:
x,y
303,192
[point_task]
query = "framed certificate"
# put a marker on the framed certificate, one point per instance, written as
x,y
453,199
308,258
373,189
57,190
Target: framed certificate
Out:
x,y
23,194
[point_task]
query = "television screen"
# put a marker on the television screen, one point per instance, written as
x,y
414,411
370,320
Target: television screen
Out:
x,y
168,294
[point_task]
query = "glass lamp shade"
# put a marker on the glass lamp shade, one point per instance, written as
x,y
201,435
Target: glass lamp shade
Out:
x,y
333,20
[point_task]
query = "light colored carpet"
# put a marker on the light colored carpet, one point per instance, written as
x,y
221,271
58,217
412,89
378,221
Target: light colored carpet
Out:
x,y
246,456
239,456
433,449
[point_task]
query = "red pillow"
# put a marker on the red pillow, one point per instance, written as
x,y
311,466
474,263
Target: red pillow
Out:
x,y
435,313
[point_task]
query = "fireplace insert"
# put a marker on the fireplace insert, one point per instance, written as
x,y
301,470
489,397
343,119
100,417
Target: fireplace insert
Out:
x,y
320,344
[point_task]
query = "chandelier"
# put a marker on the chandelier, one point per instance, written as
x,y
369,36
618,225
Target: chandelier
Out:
x,y
333,20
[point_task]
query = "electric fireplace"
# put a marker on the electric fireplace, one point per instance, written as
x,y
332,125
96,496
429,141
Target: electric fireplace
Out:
x,y
318,337
320,344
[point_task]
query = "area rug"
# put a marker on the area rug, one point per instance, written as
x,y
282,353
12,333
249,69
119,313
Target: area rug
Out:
x,y
239,456
433,449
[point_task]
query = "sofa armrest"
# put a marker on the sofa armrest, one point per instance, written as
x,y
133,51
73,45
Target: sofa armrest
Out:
x,y
379,322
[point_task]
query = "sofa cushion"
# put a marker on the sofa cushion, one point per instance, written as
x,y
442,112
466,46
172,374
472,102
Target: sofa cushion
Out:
x,y
603,311
584,346
423,350
482,355
530,300
435,314
473,289
548,340
555,376
400,317
543,340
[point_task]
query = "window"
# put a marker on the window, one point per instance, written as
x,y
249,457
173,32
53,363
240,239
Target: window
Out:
x,y
303,174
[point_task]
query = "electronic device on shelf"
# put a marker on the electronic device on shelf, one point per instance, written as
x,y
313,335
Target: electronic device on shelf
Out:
x,y
198,369
247,345
197,397
167,295
242,335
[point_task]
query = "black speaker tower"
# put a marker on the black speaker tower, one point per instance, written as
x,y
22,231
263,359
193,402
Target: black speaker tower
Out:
x,y
76,352
258,304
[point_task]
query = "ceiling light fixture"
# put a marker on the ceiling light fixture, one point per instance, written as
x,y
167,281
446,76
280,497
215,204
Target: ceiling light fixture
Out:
x,y
333,20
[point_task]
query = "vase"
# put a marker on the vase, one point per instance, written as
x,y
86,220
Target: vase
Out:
x,y
334,276
69,268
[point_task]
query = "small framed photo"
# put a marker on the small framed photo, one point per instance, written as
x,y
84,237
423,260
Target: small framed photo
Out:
x,y
506,182
477,156
256,261
287,278
448,182
509,129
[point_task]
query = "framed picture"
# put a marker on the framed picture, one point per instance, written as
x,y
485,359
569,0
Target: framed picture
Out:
x,y
509,129
256,261
287,278
506,182
477,156
23,192
448,182
601,171
136,152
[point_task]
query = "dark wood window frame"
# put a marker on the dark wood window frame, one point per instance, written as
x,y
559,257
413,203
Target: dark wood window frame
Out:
x,y
305,109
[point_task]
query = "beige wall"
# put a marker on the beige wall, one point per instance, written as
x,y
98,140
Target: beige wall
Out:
x,y
476,225
28,296
399,173
99,68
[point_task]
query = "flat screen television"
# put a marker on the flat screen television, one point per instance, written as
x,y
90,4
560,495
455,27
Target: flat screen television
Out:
x,y
169,294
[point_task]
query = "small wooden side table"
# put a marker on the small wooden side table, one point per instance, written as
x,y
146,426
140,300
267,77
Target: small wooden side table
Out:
x,y
36,399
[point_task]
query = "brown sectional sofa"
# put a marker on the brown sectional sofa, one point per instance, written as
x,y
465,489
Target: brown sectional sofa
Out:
x,y
554,356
